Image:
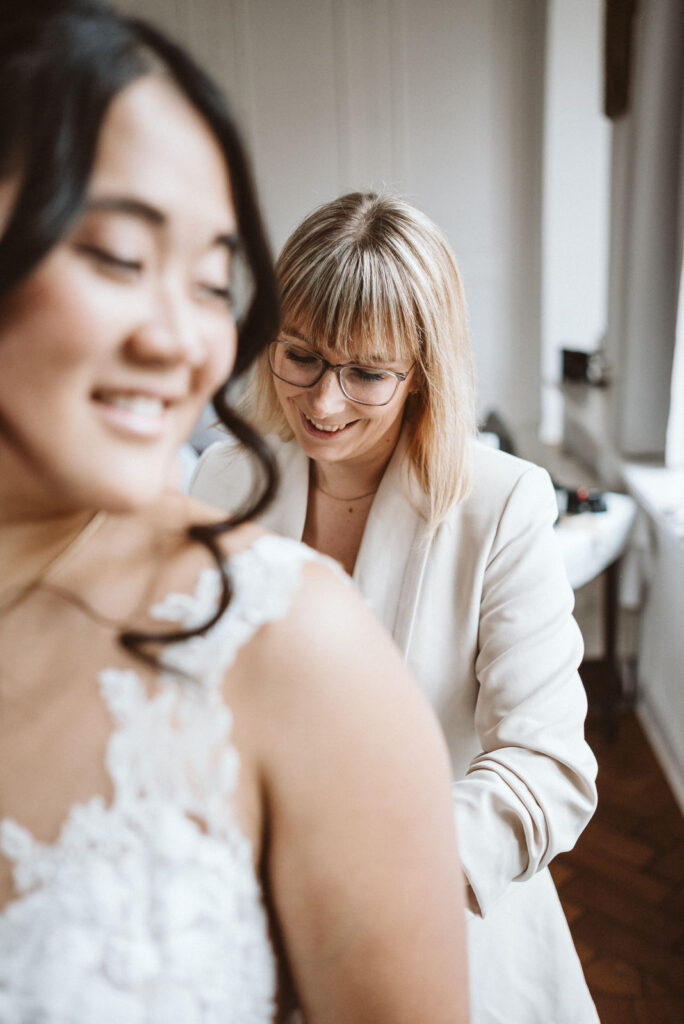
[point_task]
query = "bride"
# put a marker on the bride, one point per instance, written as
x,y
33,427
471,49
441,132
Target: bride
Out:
x,y
207,812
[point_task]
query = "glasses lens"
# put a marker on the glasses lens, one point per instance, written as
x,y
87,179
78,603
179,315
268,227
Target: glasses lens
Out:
x,y
303,368
365,384
294,365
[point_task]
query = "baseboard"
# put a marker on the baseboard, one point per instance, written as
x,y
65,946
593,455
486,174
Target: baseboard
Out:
x,y
672,769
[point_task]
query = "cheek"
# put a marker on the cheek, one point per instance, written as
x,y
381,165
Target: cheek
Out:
x,y
392,417
47,322
284,392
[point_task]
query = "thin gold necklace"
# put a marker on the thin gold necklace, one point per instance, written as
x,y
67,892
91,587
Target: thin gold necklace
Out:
x,y
77,541
336,498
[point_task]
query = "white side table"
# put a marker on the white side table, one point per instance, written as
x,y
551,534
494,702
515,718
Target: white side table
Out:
x,y
592,544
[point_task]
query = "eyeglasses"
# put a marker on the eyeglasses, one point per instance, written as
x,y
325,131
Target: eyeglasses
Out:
x,y
367,385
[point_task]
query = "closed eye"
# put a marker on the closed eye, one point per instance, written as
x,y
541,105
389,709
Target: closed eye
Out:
x,y
222,292
368,376
109,259
295,355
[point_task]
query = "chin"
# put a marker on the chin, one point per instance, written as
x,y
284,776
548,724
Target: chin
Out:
x,y
129,492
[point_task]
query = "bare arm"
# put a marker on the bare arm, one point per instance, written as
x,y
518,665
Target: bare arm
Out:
x,y
361,851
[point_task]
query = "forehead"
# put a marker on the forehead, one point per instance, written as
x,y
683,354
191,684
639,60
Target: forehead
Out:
x,y
155,146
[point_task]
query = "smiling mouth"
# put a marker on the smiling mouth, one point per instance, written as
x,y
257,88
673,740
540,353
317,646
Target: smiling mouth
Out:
x,y
141,405
327,430
135,414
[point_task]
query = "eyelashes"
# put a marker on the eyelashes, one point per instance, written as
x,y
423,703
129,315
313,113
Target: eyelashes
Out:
x,y
218,292
110,261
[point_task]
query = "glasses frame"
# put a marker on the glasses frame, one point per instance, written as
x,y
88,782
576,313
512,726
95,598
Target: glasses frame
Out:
x,y
337,370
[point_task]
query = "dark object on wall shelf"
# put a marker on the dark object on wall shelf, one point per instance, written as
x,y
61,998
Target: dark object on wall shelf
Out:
x,y
587,367
573,500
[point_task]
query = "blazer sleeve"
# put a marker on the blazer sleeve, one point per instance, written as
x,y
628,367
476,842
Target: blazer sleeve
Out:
x,y
531,791
223,476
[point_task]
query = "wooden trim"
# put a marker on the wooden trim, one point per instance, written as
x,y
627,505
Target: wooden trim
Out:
x,y
617,64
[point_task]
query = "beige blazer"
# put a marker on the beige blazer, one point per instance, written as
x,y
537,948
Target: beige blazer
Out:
x,y
483,613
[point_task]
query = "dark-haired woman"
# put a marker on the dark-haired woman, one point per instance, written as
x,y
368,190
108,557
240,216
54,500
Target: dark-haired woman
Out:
x,y
205,812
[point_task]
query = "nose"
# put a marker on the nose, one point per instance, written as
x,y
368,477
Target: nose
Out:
x,y
169,332
327,395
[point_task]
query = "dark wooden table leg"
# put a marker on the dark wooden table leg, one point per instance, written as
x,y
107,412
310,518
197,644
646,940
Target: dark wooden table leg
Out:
x,y
611,689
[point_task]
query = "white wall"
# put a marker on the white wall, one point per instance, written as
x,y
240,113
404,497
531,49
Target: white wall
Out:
x,y
440,99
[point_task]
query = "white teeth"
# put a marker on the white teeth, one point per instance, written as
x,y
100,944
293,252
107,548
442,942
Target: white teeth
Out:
x,y
138,404
321,426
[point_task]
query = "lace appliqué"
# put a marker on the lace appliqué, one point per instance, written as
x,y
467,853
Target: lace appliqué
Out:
x,y
138,912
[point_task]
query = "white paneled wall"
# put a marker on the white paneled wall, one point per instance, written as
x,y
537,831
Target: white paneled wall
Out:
x,y
439,99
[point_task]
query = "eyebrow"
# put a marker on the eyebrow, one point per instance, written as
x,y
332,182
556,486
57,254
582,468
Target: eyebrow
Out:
x,y
150,214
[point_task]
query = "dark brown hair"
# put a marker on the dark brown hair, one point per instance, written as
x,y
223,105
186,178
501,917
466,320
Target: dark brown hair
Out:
x,y
61,64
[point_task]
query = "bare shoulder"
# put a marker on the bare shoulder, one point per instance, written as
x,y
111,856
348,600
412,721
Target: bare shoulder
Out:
x,y
361,850
329,669
327,624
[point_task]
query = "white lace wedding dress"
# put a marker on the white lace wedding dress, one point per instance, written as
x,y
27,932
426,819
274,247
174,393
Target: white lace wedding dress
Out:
x,y
147,910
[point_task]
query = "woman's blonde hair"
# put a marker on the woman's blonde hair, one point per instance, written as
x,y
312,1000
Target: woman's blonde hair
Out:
x,y
369,275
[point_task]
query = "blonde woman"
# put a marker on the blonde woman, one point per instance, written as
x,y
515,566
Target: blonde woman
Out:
x,y
367,390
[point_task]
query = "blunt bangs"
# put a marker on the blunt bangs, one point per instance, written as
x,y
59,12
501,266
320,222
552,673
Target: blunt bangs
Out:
x,y
358,306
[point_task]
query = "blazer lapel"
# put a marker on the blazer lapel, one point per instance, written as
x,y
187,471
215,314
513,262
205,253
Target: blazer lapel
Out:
x,y
394,551
391,561
287,514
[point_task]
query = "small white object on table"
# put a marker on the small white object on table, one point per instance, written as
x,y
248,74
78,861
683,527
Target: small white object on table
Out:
x,y
591,541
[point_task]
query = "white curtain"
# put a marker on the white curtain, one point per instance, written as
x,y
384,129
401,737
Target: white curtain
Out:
x,y
646,236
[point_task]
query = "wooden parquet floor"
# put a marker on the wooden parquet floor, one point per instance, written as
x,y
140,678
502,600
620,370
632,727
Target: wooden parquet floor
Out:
x,y
622,886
